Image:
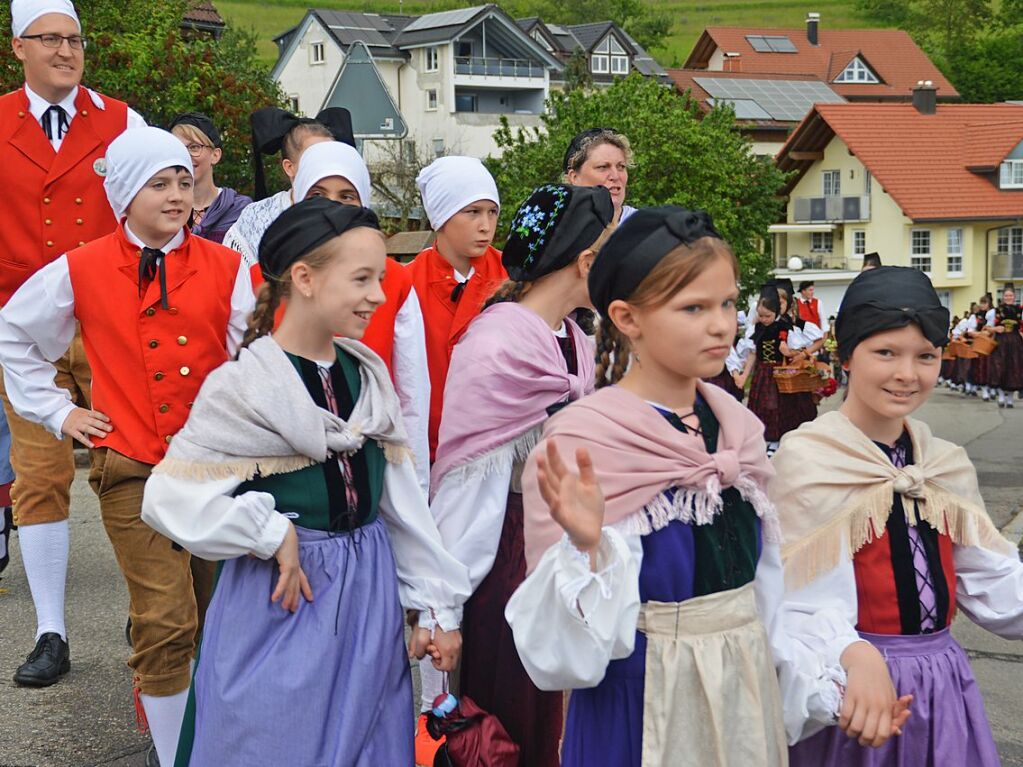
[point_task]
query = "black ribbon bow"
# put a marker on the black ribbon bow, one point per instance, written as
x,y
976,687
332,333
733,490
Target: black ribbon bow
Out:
x,y
47,122
152,262
459,290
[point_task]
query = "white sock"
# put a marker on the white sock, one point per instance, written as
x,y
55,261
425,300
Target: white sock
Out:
x,y
165,713
44,551
432,681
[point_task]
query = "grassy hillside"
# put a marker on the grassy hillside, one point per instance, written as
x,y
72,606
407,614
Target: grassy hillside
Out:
x,y
271,17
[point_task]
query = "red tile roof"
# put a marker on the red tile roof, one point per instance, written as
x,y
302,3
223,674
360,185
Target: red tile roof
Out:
x,y
920,160
890,53
203,12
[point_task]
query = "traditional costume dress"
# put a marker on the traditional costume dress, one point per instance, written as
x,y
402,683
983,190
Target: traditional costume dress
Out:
x,y
449,299
508,373
1006,366
274,437
665,645
883,543
52,157
153,323
734,363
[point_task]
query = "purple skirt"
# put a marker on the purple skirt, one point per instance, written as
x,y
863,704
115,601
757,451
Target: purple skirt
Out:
x,y
947,727
327,686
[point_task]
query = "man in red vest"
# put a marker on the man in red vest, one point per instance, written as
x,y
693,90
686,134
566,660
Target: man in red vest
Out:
x,y
53,136
809,307
158,310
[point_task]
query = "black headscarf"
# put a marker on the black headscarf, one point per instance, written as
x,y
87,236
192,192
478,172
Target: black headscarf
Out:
x,y
553,226
577,143
304,227
638,245
200,121
271,124
889,298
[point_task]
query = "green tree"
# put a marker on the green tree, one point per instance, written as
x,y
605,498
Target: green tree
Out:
x,y
138,53
679,159
577,71
636,17
990,68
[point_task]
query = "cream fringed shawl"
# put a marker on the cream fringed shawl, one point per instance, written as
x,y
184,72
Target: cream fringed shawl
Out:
x,y
834,489
254,416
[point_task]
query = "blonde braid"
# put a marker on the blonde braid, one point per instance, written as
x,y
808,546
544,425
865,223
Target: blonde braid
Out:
x,y
261,321
613,354
509,290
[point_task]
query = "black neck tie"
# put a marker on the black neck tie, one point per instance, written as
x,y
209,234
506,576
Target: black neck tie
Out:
x,y
51,115
152,263
457,292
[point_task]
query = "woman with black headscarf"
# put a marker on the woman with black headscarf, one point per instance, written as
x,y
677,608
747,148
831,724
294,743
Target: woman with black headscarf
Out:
x,y
885,537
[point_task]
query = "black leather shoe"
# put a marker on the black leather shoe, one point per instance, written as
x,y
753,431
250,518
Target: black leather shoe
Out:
x,y
46,664
6,526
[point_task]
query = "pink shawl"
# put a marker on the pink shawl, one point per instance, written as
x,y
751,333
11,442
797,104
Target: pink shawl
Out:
x,y
505,372
638,455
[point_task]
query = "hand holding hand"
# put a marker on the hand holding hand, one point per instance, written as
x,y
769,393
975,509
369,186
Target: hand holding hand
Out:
x,y
576,501
445,649
292,580
80,423
871,711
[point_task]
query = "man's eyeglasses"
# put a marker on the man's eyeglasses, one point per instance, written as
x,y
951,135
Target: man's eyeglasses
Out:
x,y
196,149
75,42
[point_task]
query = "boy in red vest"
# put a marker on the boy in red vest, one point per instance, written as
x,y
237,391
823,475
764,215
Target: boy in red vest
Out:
x,y
158,310
809,307
53,132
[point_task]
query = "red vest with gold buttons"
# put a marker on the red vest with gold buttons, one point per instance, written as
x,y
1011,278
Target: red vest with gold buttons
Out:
x,y
148,362
53,201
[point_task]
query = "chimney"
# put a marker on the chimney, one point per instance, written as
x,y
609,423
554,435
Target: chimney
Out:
x,y
732,62
813,20
925,97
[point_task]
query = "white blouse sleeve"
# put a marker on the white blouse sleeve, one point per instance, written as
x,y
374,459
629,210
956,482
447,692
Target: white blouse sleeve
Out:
x,y
243,301
412,383
135,120
816,624
430,579
36,328
469,511
989,590
801,338
569,622
205,519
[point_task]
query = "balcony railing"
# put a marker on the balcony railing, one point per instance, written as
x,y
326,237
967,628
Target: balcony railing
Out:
x,y
832,208
1007,267
474,65
814,261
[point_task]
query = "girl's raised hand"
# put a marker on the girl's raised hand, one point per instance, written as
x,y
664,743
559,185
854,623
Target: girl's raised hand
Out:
x,y
576,501
871,711
292,581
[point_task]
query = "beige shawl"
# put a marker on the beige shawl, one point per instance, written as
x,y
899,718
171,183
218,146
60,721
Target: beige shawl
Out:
x,y
834,489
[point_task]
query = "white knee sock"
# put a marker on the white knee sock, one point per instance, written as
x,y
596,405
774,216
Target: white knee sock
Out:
x,y
165,713
44,550
432,681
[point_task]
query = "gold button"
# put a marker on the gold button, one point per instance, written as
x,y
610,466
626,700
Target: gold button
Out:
x,y
164,408
182,340
138,254
79,221
78,200
21,114
153,344
81,243
184,371
85,113
150,311
173,310
48,222
167,439
46,201
49,243
158,376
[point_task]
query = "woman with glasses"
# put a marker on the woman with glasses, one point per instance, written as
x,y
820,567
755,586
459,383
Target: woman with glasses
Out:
x,y
216,208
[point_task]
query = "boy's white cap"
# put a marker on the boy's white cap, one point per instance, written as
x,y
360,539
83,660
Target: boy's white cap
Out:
x,y
332,158
24,12
448,184
136,156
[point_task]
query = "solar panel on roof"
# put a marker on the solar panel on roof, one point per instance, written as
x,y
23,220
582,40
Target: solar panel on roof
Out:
x,y
759,43
783,100
780,44
443,19
348,35
745,109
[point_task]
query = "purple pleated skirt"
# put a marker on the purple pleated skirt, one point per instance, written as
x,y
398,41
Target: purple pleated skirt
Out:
x,y
327,686
947,728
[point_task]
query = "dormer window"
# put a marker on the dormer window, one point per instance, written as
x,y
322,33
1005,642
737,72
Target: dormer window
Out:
x,y
1010,174
609,56
857,72
538,37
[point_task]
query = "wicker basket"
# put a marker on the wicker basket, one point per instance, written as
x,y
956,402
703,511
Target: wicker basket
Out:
x,y
964,351
949,352
984,344
796,380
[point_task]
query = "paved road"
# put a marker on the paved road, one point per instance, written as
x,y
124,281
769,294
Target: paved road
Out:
x,y
88,719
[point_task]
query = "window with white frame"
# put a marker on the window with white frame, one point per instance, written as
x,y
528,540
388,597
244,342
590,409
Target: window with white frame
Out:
x,y
832,182
920,250
1011,174
538,36
599,64
857,72
1010,240
317,53
859,242
619,65
430,59
954,265
431,100
868,182
822,242
293,103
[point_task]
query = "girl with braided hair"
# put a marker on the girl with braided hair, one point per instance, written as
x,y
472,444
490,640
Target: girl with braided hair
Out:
x,y
521,359
296,452
653,567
